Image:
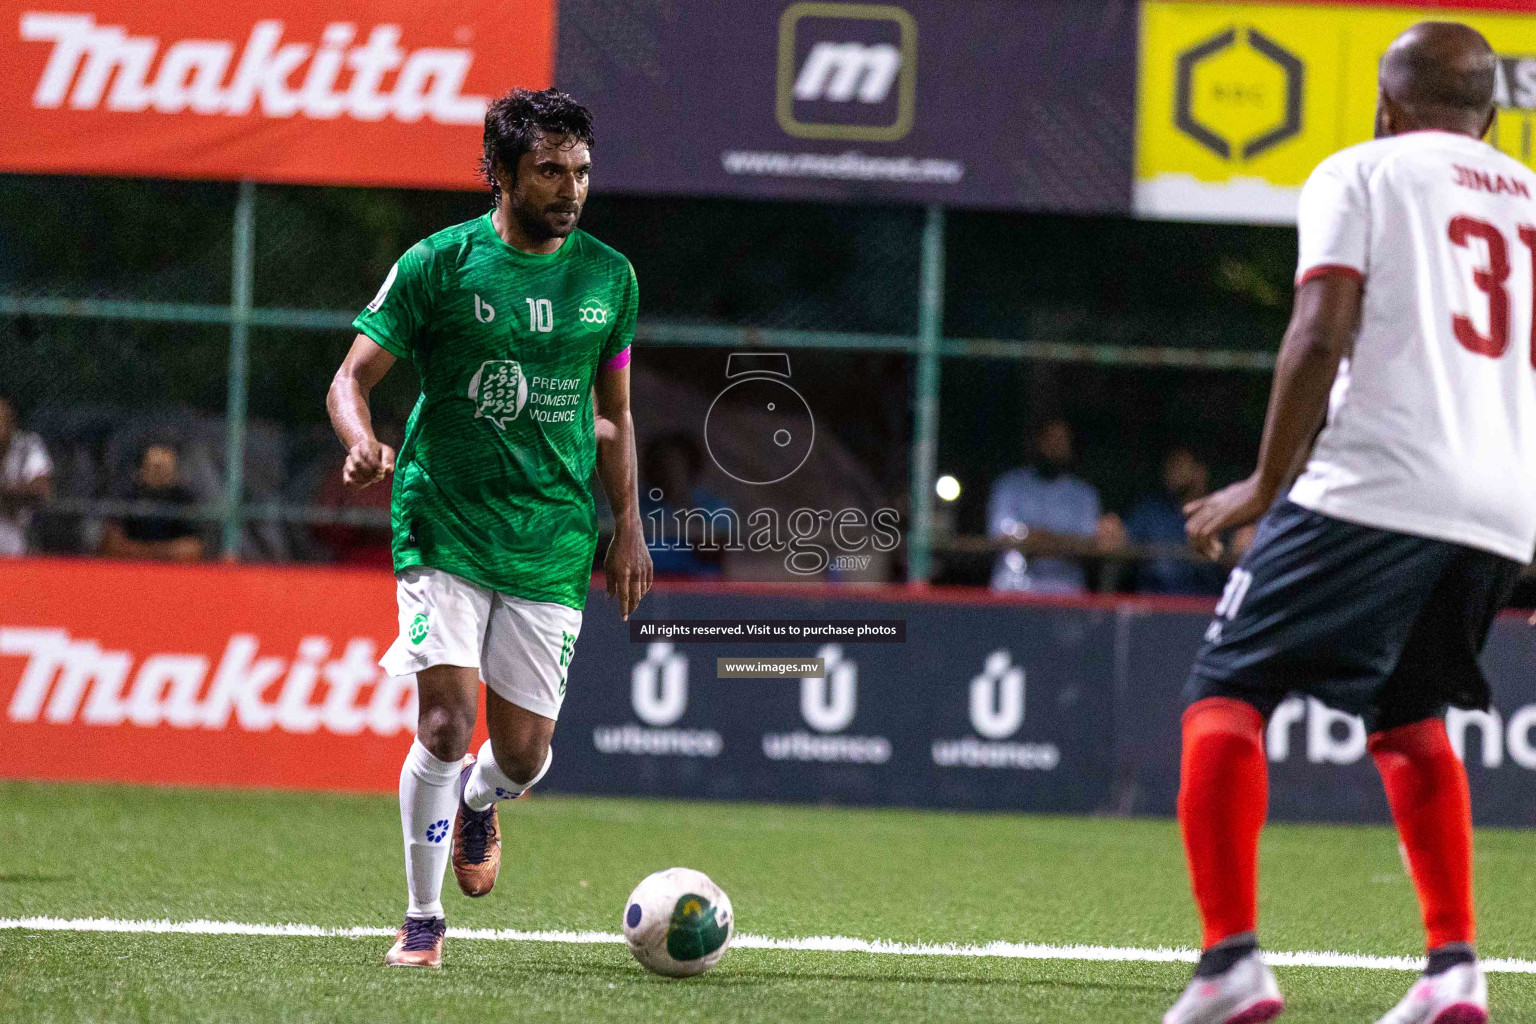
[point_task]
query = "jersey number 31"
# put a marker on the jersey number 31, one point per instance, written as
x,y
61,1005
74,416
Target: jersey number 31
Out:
x,y
1492,280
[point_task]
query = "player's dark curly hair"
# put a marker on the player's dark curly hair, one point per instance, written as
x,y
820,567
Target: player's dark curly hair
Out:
x,y
514,123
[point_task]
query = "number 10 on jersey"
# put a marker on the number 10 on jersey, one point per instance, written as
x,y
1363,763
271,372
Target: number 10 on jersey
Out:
x,y
541,315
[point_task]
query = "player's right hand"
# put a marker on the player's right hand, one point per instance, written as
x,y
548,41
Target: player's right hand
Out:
x,y
368,462
1229,508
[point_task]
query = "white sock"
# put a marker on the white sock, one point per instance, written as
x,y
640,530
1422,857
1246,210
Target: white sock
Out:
x,y
429,797
487,783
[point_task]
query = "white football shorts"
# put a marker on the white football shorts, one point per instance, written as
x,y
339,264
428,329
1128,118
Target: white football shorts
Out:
x,y
522,648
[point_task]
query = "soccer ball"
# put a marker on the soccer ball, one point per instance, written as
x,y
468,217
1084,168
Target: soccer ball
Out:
x,y
678,923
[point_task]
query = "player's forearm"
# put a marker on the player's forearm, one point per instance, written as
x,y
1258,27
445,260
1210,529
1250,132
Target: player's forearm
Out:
x,y
616,469
1327,312
347,403
1304,374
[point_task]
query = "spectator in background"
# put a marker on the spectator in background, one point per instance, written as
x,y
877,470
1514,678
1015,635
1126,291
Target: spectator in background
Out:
x,y
155,536
1159,519
26,480
356,544
672,500
1045,502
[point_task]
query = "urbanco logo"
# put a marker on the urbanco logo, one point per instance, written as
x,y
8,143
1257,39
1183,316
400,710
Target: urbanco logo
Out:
x,y
996,706
658,695
1338,738
828,705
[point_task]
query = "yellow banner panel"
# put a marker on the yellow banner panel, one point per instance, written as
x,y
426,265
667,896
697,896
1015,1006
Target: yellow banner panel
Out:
x,y
1236,103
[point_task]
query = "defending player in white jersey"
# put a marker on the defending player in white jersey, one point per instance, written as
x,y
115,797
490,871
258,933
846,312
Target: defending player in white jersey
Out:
x,y
1373,584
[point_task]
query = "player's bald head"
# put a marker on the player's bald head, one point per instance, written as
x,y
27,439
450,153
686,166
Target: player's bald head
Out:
x,y
1441,74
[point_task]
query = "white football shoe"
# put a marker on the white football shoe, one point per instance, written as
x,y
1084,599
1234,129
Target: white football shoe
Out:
x,y
1245,994
1456,996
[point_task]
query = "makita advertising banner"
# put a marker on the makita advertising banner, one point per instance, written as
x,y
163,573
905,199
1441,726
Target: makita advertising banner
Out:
x,y
254,676
994,103
358,92
1009,104
207,675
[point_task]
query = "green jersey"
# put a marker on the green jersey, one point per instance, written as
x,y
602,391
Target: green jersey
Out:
x,y
493,481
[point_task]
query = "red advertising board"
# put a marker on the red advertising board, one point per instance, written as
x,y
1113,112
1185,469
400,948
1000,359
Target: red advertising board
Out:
x,y
200,675
359,92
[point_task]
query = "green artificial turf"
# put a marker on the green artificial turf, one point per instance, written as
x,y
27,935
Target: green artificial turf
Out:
x,y
123,852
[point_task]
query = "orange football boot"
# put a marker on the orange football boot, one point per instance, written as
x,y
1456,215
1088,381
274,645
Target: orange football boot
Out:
x,y
476,844
418,943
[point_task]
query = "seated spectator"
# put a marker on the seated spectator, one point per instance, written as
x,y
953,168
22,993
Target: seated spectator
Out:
x,y
672,501
155,536
1159,519
26,480
1046,504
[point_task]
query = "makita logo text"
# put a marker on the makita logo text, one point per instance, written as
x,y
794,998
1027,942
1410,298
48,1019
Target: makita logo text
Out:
x,y
73,680
366,79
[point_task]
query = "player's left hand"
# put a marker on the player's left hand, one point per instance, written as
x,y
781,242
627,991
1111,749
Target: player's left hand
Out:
x,y
1211,516
627,568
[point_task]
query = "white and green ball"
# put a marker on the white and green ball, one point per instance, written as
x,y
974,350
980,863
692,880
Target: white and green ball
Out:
x,y
678,923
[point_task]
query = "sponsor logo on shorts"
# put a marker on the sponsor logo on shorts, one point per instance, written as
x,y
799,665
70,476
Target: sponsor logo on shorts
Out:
x,y
420,626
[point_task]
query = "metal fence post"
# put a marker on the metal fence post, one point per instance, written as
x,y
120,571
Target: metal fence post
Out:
x,y
925,397
240,302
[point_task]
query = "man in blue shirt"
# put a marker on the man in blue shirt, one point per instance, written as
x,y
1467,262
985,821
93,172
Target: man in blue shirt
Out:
x,y
1044,500
684,540
1159,519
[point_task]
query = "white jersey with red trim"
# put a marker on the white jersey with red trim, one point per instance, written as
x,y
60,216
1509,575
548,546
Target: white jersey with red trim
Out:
x,y
1431,425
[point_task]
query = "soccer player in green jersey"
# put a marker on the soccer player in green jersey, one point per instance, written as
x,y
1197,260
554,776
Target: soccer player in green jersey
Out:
x,y
512,320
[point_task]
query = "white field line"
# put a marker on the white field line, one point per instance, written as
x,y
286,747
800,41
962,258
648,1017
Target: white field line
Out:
x,y
819,943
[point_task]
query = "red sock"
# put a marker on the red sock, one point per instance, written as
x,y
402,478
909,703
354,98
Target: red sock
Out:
x,y
1427,788
1223,799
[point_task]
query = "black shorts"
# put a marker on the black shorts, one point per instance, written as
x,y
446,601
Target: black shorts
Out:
x,y
1380,624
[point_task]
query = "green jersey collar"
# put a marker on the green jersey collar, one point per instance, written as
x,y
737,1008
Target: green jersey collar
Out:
x,y
528,257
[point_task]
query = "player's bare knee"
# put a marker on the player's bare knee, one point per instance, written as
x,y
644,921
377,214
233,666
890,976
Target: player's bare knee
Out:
x,y
520,758
445,729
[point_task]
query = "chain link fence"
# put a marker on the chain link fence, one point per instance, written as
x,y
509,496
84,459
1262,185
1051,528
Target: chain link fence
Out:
x,y
116,310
